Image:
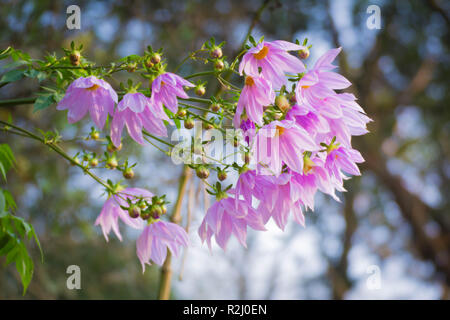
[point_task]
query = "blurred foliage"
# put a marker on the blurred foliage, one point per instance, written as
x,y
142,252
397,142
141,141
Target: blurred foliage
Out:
x,y
400,74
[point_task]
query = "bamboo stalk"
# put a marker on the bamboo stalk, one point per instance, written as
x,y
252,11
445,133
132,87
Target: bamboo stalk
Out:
x,y
166,270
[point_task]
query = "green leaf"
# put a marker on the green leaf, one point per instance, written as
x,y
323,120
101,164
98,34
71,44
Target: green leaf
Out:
x,y
43,101
6,159
13,231
39,75
2,201
11,76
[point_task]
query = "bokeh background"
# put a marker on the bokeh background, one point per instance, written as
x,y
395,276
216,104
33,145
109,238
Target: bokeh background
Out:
x,y
395,219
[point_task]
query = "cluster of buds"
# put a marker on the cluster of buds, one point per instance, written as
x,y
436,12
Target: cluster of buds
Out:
x,y
146,210
152,58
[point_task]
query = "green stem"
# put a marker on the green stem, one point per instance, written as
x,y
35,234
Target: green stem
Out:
x,y
200,74
17,101
157,139
55,148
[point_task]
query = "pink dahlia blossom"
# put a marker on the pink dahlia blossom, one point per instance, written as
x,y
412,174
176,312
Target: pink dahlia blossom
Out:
x,y
274,60
89,94
111,211
166,88
343,159
156,238
224,218
319,83
135,111
284,198
282,142
256,94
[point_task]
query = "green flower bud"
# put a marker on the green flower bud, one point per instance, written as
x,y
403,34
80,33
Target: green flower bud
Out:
x,y
155,58
200,90
75,58
215,107
155,211
303,53
189,123
181,112
111,163
128,173
282,103
221,175
134,211
93,162
219,65
216,52
202,172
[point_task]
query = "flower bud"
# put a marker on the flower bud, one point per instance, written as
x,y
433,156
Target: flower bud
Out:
x,y
111,147
200,90
303,53
148,63
111,163
163,209
282,103
221,175
131,67
76,161
155,211
209,126
93,162
189,123
142,205
145,215
292,99
215,107
134,211
247,158
75,58
219,65
155,58
95,135
216,52
236,142
181,112
128,173
202,172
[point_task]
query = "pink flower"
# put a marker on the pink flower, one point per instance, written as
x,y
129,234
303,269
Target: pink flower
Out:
x,y
156,238
318,83
89,94
282,142
166,88
111,211
285,199
256,94
274,60
343,159
225,218
135,111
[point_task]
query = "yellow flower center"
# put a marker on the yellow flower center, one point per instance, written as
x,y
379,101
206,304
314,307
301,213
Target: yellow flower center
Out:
x,y
249,81
93,88
280,131
308,164
262,53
